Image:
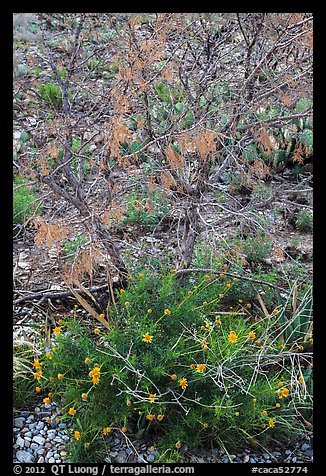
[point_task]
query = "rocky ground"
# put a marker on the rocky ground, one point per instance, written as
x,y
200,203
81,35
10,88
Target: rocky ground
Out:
x,y
39,438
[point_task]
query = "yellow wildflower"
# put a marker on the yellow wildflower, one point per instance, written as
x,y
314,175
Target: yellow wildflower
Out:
x,y
285,392
205,425
200,368
72,411
167,312
37,364
60,376
48,355
106,430
38,389
147,338
271,423
152,397
192,366
218,323
252,335
121,291
50,394
141,276
232,337
150,417
160,417
301,379
77,435
46,400
254,400
264,412
84,396
127,303
277,405
38,375
124,429
228,285
207,276
235,279
87,361
149,310
183,383
97,331
57,330
237,413
178,445
174,377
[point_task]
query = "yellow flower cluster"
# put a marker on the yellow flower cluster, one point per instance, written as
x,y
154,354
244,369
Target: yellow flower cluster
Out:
x,y
284,392
95,375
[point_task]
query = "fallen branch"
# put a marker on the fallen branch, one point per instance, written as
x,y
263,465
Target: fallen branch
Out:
x,y
47,294
233,275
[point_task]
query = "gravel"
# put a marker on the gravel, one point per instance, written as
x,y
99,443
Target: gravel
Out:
x,y
36,440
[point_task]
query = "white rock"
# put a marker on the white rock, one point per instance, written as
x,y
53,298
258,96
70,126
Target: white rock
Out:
x,y
39,440
24,457
20,442
40,460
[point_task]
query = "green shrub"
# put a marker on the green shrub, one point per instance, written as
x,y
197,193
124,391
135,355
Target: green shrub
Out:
x,y
176,368
304,220
23,386
52,95
144,211
24,203
255,248
71,247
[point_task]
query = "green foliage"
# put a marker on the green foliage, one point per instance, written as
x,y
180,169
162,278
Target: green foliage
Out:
x,y
295,317
304,220
24,202
125,379
51,93
23,386
142,212
261,193
71,247
255,248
